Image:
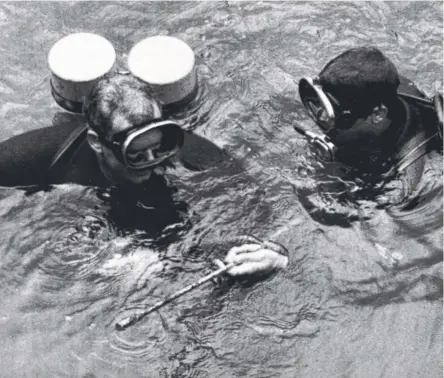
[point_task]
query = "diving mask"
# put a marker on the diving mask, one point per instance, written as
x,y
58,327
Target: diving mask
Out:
x,y
146,146
323,107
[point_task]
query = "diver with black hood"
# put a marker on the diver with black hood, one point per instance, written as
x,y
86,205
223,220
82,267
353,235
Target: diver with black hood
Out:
x,y
375,123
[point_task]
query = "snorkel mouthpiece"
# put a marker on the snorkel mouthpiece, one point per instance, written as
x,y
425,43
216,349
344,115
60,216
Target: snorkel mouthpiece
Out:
x,y
322,144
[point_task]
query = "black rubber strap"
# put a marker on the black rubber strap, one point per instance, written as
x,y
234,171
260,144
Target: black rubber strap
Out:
x,y
67,151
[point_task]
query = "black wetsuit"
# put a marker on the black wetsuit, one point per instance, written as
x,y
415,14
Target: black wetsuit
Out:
x,y
391,175
60,154
413,122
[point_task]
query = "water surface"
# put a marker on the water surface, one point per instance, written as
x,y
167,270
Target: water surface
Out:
x,y
358,300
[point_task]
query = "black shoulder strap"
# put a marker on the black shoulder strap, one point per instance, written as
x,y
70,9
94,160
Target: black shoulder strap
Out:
x,y
434,106
67,151
415,146
198,153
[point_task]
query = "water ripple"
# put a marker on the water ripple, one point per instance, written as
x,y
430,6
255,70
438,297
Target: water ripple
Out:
x,y
63,258
140,339
68,273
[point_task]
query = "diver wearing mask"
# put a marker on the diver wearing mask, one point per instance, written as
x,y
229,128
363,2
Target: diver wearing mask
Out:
x,y
121,139
373,120
123,149
121,144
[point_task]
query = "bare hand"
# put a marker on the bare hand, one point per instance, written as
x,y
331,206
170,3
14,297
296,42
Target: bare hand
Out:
x,y
253,258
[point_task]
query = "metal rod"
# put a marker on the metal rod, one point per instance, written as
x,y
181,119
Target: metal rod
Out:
x,y
130,320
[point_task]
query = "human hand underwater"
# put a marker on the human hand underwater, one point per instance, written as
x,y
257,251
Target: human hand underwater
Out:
x,y
253,259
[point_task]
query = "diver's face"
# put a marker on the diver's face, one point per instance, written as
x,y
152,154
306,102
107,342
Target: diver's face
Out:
x,y
357,132
363,131
119,172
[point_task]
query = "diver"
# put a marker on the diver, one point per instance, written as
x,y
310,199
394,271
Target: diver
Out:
x,y
126,145
121,140
375,123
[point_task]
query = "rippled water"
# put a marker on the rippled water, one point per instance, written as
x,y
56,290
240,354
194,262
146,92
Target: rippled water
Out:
x,y
361,300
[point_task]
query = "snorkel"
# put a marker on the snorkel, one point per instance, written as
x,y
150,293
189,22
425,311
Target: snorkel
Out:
x,y
322,112
322,144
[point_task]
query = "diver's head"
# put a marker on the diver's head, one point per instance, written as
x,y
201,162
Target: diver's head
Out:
x,y
352,97
126,130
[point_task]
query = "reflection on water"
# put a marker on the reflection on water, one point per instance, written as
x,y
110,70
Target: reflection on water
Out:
x,y
363,293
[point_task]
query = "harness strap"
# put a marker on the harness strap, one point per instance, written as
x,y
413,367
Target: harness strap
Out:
x,y
410,158
67,151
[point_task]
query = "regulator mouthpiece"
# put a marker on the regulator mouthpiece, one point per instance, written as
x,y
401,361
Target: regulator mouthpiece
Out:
x,y
321,143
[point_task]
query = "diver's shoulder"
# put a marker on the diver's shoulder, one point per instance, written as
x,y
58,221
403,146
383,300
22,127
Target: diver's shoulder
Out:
x,y
408,87
199,154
